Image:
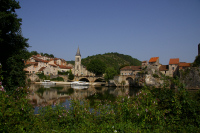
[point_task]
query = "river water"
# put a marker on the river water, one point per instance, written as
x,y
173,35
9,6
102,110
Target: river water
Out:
x,y
62,94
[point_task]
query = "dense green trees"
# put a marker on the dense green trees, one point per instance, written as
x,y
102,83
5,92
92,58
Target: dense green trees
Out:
x,y
43,54
71,76
110,73
114,60
96,66
197,61
13,46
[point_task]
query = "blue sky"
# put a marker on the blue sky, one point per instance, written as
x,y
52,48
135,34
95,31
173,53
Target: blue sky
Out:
x,y
139,28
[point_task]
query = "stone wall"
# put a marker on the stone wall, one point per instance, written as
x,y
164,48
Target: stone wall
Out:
x,y
191,78
65,77
33,77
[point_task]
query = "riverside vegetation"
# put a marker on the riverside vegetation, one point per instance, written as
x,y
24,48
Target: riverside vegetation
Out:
x,y
151,110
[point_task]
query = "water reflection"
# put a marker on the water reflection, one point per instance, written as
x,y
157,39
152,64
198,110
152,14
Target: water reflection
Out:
x,y
51,94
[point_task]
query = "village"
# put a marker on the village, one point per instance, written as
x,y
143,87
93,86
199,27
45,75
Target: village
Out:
x,y
128,74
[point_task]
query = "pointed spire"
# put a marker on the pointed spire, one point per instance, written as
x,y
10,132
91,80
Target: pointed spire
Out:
x,y
78,52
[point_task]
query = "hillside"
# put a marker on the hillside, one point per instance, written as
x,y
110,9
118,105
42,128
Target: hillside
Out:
x,y
115,60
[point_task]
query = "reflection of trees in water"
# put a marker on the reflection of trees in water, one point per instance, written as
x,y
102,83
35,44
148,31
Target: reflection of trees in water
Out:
x,y
92,93
68,91
103,96
41,91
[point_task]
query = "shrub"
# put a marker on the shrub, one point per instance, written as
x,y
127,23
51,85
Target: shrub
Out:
x,y
155,76
58,79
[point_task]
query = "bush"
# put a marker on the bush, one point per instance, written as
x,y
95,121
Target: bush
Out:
x,y
57,79
155,76
16,113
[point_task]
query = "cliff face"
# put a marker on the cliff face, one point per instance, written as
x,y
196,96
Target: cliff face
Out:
x,y
191,78
152,76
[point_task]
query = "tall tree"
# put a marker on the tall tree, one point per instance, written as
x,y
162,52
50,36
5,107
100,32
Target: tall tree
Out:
x,y
110,72
96,66
13,46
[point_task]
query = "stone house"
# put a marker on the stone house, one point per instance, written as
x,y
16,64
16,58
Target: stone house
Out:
x,y
154,61
173,67
144,64
49,66
63,68
184,65
59,61
164,69
130,70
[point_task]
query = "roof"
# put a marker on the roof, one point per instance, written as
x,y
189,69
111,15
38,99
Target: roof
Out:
x,y
53,65
133,68
64,67
144,62
164,68
174,61
153,59
184,64
78,52
42,68
32,63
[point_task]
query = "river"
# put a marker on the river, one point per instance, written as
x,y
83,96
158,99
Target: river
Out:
x,y
42,95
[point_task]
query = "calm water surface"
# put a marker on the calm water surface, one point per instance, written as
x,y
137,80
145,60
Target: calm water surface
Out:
x,y
62,94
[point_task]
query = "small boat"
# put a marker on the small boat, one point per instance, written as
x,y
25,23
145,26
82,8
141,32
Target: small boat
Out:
x,y
48,82
79,87
80,83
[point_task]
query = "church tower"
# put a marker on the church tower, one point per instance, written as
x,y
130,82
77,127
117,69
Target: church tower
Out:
x,y
77,67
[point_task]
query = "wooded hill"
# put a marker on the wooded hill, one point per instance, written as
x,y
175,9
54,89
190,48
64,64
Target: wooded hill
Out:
x,y
115,60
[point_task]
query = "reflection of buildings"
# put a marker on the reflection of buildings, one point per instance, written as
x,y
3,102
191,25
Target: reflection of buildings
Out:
x,y
47,96
52,95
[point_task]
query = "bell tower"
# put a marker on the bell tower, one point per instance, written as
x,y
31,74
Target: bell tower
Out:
x,y
77,63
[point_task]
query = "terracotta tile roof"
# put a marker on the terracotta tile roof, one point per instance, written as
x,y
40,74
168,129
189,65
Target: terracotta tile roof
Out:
x,y
184,64
64,67
153,59
133,68
53,65
174,61
42,68
38,55
32,63
164,68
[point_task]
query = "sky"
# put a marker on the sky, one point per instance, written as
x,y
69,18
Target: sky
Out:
x,y
139,28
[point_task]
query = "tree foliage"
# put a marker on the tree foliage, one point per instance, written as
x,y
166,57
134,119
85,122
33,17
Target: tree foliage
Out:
x,y
96,66
197,61
13,46
114,60
110,73
71,76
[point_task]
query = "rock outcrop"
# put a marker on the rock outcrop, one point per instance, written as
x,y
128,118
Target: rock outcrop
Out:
x,y
191,78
